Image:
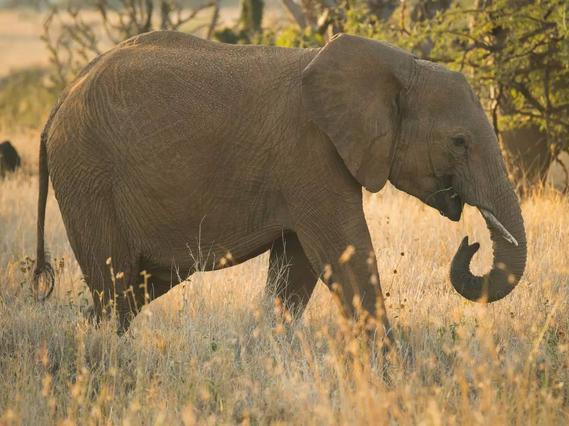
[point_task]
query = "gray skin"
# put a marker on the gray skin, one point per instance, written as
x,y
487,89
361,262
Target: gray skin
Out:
x,y
169,149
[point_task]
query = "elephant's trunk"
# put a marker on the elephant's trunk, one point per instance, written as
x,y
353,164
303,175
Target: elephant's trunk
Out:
x,y
510,250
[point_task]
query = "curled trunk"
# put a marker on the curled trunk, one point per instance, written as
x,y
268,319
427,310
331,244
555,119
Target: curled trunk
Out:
x,y
509,258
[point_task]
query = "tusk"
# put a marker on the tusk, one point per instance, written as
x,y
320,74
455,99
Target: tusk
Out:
x,y
505,233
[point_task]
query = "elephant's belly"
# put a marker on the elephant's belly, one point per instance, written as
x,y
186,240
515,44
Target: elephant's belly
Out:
x,y
212,213
177,261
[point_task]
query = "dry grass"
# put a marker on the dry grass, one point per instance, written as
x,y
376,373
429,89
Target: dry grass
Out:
x,y
212,350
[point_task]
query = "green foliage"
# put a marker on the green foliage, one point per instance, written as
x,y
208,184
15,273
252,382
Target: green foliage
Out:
x,y
25,99
293,36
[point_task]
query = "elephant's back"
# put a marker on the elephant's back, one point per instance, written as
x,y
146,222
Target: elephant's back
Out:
x,y
167,84
187,44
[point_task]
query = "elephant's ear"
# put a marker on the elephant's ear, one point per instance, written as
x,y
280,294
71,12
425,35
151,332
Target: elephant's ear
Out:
x,y
350,90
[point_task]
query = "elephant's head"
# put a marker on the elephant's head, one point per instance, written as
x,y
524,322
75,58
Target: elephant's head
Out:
x,y
394,117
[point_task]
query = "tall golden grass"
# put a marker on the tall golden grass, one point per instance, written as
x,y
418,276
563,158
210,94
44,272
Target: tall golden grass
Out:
x,y
212,351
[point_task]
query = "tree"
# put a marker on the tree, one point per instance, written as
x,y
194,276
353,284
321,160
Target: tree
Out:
x,y
249,25
73,41
516,54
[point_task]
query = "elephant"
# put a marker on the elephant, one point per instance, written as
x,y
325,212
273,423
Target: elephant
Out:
x,y
9,158
170,154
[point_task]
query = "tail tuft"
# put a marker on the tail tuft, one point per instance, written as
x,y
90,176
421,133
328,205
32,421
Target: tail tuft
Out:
x,y
44,282
44,276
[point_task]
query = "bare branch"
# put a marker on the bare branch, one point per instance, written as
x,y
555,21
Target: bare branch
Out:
x,y
213,21
296,12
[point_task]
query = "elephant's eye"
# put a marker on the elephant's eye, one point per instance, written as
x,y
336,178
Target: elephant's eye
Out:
x,y
459,141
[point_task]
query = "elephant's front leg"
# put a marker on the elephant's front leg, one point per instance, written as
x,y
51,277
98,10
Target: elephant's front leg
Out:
x,y
291,277
340,248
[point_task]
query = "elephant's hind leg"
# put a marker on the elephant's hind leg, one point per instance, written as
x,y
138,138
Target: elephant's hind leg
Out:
x,y
291,277
114,281
110,267
155,284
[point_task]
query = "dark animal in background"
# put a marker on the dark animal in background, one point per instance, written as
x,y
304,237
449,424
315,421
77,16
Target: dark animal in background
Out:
x,y
9,158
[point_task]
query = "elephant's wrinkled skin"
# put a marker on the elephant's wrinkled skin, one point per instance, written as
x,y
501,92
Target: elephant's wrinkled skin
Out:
x,y
169,149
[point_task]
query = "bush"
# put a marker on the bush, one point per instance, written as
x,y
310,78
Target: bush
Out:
x,y
25,99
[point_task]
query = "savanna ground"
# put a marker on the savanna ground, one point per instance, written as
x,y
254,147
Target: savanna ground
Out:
x,y
213,350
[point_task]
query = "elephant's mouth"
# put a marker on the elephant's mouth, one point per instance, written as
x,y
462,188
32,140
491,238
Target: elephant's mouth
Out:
x,y
447,200
453,206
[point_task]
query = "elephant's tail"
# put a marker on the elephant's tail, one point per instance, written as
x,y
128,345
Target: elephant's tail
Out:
x,y
44,276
